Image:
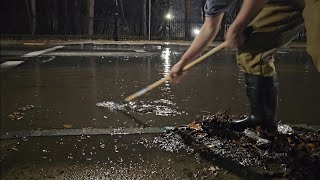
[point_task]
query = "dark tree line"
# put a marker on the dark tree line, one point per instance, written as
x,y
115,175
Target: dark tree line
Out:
x,y
112,19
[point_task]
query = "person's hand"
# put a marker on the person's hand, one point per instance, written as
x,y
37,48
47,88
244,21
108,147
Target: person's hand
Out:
x,y
234,38
176,73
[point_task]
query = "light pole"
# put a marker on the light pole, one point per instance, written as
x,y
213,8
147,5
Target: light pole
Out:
x,y
169,17
149,20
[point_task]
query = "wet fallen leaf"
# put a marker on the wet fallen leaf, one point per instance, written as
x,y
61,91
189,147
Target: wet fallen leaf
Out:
x,y
11,116
195,126
210,146
213,169
310,147
24,139
290,141
205,111
67,126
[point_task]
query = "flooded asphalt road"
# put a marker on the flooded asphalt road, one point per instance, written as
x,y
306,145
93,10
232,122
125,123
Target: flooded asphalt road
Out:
x,y
83,86
59,87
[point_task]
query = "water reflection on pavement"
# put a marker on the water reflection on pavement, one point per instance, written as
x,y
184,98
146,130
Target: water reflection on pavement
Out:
x,y
84,87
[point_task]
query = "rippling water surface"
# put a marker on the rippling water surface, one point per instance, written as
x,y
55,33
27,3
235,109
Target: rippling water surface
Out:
x,y
80,90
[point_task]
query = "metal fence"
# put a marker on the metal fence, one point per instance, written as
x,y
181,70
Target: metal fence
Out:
x,y
107,28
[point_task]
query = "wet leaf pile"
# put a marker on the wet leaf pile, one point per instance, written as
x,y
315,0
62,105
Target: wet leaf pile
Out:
x,y
291,152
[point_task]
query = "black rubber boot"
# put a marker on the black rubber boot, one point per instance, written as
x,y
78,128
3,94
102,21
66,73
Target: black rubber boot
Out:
x,y
254,88
263,98
270,99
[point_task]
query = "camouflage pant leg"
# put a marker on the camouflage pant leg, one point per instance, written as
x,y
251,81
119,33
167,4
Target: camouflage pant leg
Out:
x,y
275,26
311,15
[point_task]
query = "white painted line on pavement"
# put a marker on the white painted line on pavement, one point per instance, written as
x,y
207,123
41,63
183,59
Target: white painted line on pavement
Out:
x,y
9,64
91,53
140,51
37,53
34,44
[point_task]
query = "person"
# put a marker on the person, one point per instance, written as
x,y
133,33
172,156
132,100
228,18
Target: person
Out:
x,y
260,28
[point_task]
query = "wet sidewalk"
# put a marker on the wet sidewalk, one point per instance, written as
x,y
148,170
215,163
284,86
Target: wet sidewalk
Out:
x,y
100,157
200,150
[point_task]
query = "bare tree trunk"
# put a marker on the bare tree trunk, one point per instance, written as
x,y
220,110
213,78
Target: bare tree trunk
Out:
x,y
76,21
66,19
89,17
116,22
155,20
144,18
32,15
187,19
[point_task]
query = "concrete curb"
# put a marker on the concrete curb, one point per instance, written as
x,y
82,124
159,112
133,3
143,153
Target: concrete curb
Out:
x,y
83,131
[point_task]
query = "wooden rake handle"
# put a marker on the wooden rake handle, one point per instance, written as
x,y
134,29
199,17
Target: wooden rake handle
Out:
x,y
167,78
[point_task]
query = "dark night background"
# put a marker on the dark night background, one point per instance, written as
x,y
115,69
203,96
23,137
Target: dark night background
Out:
x,y
110,19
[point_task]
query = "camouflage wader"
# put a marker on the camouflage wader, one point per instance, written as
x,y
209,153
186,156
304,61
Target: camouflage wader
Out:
x,y
275,26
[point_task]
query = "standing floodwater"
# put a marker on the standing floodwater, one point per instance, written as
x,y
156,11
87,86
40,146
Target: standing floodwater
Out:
x,y
77,89
67,88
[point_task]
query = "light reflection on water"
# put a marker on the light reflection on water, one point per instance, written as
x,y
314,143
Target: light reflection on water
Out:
x,y
166,62
165,57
